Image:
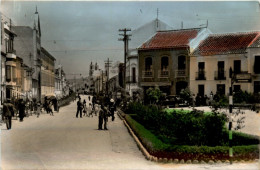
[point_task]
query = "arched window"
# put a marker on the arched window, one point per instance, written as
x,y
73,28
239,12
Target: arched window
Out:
x,y
148,63
164,63
181,62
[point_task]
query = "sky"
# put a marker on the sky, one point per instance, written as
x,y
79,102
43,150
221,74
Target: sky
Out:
x,y
76,33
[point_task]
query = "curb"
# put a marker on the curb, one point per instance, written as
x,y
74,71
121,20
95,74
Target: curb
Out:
x,y
171,160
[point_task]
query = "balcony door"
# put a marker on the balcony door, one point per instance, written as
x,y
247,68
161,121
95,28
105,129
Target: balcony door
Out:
x,y
201,67
221,65
148,63
181,62
237,66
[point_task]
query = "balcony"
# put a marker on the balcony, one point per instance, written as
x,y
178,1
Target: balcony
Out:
x,y
11,54
163,74
201,75
220,75
147,74
180,73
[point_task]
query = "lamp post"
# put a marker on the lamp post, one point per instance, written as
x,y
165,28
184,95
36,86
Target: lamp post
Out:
x,y
232,80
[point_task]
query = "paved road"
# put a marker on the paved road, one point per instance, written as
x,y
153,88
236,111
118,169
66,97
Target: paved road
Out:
x,y
63,141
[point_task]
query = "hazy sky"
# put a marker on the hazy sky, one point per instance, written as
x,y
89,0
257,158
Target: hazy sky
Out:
x,y
76,33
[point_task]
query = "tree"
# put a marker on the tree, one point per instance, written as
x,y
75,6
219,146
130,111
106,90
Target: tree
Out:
x,y
153,95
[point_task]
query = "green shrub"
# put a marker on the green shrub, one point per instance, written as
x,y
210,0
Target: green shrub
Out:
x,y
158,148
150,141
180,127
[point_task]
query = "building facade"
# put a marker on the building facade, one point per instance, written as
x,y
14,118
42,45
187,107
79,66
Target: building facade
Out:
x,y
132,73
47,77
164,60
28,47
212,59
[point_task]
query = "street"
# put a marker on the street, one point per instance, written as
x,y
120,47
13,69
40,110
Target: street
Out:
x,y
63,141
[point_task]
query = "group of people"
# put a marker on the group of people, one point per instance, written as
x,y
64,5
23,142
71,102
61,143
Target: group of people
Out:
x,y
97,108
22,108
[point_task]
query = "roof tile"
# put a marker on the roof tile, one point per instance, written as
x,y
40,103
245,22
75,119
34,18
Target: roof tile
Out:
x,y
170,39
231,43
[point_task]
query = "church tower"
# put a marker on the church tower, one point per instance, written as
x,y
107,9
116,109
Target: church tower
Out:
x,y
91,69
96,66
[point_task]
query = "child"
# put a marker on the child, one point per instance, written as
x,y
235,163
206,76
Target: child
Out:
x,y
90,111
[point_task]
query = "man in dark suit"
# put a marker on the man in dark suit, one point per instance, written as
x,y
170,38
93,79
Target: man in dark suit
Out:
x,y
79,108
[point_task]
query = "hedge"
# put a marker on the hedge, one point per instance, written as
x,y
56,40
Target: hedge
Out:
x,y
160,149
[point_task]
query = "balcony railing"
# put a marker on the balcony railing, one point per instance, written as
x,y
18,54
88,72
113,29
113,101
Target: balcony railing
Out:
x,y
147,74
180,73
163,73
220,75
201,75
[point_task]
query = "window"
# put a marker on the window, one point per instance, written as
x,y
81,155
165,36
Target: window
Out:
x,y
164,63
8,93
237,66
257,65
181,62
8,73
148,63
221,89
257,87
13,71
201,72
133,75
201,90
221,73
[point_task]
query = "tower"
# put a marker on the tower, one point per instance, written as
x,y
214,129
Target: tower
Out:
x,y
91,69
96,66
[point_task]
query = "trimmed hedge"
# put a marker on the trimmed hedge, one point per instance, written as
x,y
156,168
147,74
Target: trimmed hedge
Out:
x,y
148,139
181,127
160,149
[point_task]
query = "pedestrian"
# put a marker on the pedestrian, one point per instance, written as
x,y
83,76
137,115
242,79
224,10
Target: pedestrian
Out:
x,y
211,98
106,114
38,109
79,108
90,110
89,98
193,100
8,112
50,108
100,117
112,108
84,107
21,109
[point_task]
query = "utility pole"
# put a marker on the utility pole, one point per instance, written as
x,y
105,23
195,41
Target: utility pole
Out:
x,y
107,65
125,39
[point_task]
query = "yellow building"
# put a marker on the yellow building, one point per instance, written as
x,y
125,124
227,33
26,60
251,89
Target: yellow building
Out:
x,y
211,60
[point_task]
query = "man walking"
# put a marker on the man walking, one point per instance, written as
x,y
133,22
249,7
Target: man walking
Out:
x,y
21,108
105,117
112,108
79,108
8,112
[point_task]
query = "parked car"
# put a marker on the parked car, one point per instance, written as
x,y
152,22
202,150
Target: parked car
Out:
x,y
171,101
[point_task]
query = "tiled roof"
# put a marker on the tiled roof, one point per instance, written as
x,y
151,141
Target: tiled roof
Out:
x,y
232,43
170,39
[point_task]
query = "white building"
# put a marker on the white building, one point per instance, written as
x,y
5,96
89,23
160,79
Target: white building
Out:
x,y
211,60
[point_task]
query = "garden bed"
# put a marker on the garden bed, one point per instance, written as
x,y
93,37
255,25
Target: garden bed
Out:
x,y
157,148
187,135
